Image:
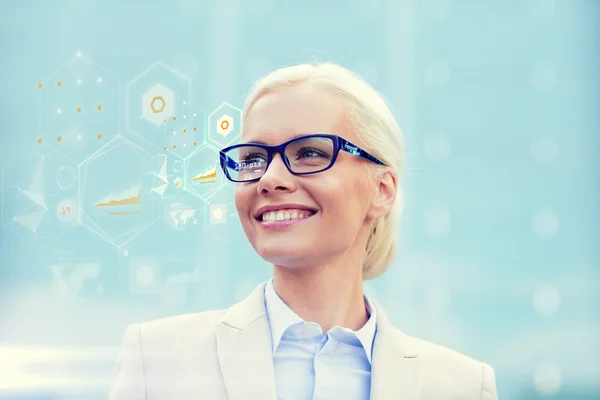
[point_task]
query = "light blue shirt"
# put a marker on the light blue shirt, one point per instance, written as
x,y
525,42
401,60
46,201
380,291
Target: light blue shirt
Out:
x,y
312,366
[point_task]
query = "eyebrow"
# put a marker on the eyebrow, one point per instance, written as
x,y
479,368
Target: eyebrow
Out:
x,y
265,143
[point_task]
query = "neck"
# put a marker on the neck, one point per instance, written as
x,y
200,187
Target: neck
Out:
x,y
330,295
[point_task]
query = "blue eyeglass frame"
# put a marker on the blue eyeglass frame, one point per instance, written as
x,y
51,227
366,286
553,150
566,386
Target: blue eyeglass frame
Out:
x,y
338,144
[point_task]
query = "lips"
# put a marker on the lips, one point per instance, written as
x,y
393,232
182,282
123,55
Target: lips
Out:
x,y
281,207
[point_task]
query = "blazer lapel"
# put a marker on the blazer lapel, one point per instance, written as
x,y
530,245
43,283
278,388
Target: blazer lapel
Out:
x,y
244,350
397,370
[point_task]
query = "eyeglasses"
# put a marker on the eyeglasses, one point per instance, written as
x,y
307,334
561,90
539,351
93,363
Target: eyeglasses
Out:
x,y
303,155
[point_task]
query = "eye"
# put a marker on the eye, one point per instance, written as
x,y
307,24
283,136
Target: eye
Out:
x,y
254,157
307,152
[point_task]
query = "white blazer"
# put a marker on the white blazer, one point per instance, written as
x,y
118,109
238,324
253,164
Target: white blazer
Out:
x,y
227,354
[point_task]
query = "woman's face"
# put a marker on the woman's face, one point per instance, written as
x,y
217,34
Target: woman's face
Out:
x,y
340,198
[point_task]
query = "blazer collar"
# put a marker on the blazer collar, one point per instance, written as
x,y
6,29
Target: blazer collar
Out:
x,y
281,317
245,354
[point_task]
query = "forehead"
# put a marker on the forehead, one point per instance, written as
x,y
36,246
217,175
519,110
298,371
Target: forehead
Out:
x,y
283,114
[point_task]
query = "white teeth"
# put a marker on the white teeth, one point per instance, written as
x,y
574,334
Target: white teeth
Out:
x,y
284,215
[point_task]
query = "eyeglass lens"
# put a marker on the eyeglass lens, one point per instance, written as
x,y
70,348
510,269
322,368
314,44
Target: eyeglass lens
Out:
x,y
304,155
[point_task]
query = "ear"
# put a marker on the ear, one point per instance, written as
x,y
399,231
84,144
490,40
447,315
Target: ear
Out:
x,y
386,191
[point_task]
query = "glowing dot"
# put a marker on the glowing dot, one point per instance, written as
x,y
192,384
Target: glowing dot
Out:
x,y
194,114
184,116
59,111
194,143
40,140
164,148
547,379
174,118
79,81
78,109
194,128
184,145
184,131
58,139
99,107
79,137
99,136
99,80
546,300
40,85
174,132
174,146
59,83
165,120
78,54
545,223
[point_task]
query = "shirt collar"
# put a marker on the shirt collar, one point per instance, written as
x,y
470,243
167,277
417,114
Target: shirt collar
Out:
x,y
281,317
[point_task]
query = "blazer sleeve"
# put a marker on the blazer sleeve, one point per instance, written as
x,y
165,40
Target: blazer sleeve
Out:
x,y
488,385
128,376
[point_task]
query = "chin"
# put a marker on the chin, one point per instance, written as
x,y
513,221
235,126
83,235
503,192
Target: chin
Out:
x,y
281,254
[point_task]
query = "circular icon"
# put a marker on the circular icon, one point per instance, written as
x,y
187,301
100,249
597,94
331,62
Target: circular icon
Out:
x,y
65,177
177,166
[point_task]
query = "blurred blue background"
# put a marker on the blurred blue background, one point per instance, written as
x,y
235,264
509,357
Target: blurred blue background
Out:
x,y
498,101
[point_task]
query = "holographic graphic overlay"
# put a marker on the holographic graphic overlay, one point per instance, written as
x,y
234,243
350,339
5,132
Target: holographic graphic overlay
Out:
x,y
220,214
79,108
203,172
152,98
224,125
164,173
39,196
184,130
115,199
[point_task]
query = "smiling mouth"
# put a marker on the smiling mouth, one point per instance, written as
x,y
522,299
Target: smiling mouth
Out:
x,y
285,215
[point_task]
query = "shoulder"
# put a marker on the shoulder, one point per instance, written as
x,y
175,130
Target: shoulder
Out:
x,y
449,372
174,332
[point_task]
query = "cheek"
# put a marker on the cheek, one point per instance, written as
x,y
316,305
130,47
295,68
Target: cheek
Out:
x,y
242,201
344,200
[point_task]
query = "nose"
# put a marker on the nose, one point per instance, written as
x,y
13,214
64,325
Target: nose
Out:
x,y
277,178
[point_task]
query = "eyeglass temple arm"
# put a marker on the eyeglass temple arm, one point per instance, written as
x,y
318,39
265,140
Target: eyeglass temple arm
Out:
x,y
357,151
231,164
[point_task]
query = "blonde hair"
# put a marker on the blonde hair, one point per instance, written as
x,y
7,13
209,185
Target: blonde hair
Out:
x,y
372,120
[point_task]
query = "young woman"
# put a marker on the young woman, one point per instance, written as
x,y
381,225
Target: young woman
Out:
x,y
318,197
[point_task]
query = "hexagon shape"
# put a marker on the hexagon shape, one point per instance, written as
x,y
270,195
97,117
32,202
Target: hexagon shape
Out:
x,y
79,108
224,125
203,172
157,104
221,218
165,176
114,192
184,131
151,99
39,196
